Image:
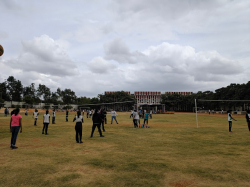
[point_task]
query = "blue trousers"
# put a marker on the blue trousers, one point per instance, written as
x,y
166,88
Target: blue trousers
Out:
x,y
14,131
113,117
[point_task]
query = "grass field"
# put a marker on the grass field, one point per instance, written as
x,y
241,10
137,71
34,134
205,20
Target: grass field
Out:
x,y
172,152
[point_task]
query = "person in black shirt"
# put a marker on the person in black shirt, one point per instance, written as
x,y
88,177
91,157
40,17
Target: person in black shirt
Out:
x,y
248,119
67,115
96,123
103,118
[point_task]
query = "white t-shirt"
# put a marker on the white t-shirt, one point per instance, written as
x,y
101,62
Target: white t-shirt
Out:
x,y
113,113
36,114
78,119
229,117
150,111
136,115
46,118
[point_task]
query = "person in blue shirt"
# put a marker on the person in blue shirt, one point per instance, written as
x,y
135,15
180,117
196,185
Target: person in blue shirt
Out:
x,y
146,119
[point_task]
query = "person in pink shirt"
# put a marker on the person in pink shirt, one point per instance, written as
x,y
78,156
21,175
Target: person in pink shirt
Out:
x,y
15,125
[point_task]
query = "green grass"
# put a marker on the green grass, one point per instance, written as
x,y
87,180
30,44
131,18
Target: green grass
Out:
x,y
172,152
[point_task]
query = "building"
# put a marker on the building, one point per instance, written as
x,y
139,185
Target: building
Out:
x,y
150,100
145,97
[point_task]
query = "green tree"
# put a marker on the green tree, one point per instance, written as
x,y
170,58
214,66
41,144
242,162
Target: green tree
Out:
x,y
43,92
14,89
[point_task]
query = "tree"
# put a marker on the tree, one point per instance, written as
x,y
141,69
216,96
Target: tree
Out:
x,y
3,91
28,99
68,96
14,89
43,92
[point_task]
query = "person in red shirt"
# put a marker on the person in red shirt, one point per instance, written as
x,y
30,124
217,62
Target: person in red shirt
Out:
x,y
15,125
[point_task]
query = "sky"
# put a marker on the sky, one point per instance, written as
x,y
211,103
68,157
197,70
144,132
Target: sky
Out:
x,y
135,45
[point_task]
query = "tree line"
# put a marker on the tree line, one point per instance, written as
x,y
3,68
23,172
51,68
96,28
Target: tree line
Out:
x,y
13,90
179,102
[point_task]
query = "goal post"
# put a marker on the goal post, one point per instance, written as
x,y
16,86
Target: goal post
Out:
x,y
196,113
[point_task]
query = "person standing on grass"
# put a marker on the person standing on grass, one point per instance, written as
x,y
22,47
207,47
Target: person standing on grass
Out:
x,y
67,115
105,115
46,121
150,114
230,120
35,115
90,113
53,117
79,120
87,113
26,112
248,119
131,115
136,119
15,125
102,114
146,114
96,123
5,112
113,116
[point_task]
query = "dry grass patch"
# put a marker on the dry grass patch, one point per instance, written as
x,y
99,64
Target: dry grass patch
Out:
x,y
172,152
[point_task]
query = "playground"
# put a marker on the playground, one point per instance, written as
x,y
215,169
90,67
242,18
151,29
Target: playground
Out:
x,y
172,152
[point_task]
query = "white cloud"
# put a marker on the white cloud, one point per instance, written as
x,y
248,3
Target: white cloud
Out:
x,y
43,55
127,45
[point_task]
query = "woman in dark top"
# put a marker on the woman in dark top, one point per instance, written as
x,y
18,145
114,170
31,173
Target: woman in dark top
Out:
x,y
96,123
79,120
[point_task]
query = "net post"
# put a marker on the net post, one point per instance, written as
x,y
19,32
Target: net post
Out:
x,y
196,113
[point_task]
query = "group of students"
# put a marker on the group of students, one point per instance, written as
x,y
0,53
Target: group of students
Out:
x,y
230,118
98,118
46,116
136,119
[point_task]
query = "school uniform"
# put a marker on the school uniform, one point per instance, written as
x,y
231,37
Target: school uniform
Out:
x,y
53,117
35,114
78,128
45,123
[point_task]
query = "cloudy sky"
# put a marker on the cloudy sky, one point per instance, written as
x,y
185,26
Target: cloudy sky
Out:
x,y
133,45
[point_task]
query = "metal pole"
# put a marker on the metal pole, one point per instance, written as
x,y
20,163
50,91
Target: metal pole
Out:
x,y
196,113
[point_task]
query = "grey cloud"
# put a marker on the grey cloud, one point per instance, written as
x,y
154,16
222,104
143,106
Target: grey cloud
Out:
x,y
100,65
118,50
